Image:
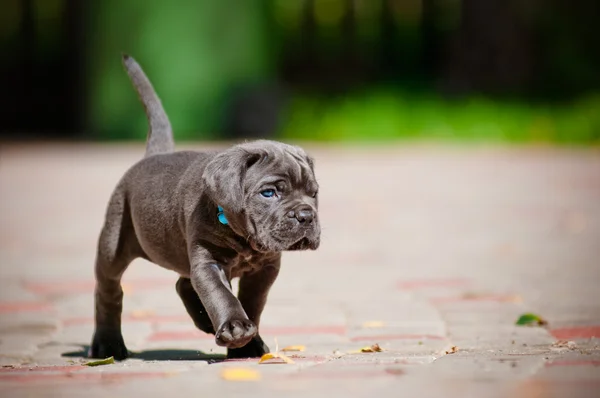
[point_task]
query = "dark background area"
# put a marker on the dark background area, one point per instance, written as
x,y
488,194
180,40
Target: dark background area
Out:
x,y
61,78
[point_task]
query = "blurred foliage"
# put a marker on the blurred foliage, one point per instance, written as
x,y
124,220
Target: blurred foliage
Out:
x,y
500,70
382,115
191,53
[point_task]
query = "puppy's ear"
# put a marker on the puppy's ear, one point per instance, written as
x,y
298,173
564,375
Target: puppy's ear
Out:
x,y
223,177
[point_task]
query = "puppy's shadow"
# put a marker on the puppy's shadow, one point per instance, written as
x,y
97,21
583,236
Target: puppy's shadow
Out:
x,y
158,355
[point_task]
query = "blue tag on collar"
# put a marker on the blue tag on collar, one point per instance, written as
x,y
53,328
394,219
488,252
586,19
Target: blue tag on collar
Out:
x,y
221,216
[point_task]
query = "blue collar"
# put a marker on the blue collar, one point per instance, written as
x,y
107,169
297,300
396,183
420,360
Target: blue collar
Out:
x,y
221,216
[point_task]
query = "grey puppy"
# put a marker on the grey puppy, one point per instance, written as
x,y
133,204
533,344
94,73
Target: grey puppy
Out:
x,y
210,217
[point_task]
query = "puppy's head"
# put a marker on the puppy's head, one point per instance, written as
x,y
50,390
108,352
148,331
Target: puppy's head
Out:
x,y
269,194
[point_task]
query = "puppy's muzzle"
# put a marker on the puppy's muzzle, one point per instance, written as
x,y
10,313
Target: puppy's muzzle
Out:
x,y
304,215
307,226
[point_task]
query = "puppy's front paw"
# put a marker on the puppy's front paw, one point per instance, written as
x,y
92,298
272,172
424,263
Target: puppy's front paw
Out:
x,y
256,348
235,333
108,343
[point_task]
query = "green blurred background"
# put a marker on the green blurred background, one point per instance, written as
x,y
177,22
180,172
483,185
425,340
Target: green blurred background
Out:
x,y
318,70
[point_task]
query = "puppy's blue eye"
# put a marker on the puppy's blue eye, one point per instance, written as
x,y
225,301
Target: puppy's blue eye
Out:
x,y
267,193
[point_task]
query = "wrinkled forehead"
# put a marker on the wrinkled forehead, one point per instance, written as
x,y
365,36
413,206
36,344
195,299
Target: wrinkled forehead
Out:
x,y
292,165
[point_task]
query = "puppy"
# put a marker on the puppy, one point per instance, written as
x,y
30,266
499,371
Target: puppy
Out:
x,y
210,217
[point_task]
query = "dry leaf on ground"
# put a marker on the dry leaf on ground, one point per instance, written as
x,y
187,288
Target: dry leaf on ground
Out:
x,y
530,319
373,324
240,374
293,348
452,350
107,361
276,357
273,358
571,345
371,348
509,298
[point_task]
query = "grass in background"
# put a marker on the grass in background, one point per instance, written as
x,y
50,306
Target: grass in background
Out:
x,y
384,116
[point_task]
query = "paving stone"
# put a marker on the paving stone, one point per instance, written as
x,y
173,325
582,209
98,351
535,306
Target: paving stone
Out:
x,y
448,252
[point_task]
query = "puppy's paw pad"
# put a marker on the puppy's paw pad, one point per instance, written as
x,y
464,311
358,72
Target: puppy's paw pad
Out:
x,y
236,333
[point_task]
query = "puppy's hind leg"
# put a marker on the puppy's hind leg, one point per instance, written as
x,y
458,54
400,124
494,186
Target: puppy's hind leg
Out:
x,y
117,247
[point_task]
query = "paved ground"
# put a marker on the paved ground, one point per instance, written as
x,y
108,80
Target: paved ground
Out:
x,y
424,248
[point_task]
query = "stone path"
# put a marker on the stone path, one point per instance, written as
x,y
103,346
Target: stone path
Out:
x,y
424,248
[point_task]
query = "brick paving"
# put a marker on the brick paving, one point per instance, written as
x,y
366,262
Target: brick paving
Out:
x,y
424,248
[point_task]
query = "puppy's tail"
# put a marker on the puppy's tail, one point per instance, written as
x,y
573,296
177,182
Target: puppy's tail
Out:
x,y
160,135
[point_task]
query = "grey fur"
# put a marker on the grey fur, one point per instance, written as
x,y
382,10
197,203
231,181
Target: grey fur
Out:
x,y
160,134
164,209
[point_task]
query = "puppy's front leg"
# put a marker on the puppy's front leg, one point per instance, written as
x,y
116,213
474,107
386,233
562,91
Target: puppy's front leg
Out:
x,y
254,289
234,329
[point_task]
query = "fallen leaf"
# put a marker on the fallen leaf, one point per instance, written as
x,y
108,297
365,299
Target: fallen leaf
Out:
x,y
452,350
240,374
272,358
509,298
530,319
276,357
373,324
373,348
107,361
571,345
293,348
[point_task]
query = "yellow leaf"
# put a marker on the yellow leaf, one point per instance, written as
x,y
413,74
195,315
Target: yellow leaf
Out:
x,y
373,348
452,350
293,348
373,324
240,374
275,358
107,361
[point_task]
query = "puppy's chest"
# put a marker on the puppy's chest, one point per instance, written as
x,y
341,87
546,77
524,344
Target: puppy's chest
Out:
x,y
238,266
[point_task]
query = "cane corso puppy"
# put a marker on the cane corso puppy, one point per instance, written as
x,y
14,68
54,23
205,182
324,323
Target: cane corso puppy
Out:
x,y
210,217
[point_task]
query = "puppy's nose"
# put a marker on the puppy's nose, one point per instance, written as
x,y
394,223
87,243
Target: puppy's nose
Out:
x,y
303,215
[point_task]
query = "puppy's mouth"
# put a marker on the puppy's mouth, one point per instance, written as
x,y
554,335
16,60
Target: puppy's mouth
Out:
x,y
303,244
279,245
